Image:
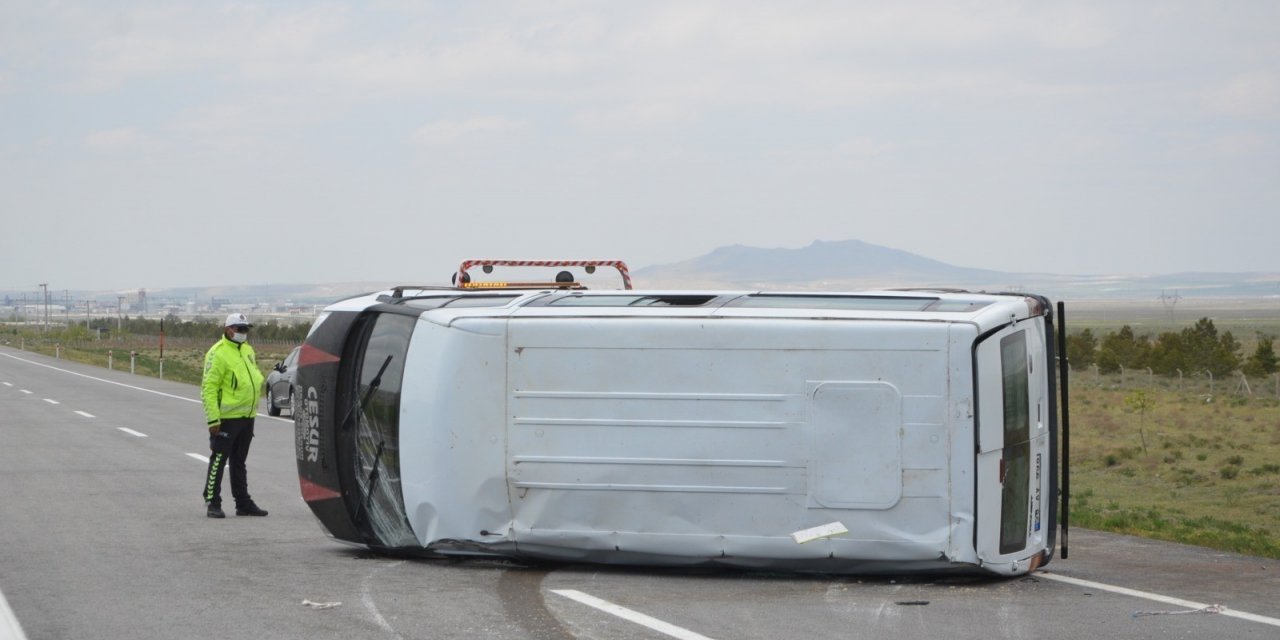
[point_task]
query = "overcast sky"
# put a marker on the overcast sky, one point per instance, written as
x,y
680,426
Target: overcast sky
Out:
x,y
158,144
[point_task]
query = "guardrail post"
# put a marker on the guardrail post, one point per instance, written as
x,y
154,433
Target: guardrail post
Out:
x,y
109,355
57,351
133,358
162,368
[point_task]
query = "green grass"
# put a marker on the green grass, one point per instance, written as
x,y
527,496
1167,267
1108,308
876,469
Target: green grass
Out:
x,y
183,358
1209,474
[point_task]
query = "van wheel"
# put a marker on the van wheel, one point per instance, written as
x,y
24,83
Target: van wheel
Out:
x,y
272,409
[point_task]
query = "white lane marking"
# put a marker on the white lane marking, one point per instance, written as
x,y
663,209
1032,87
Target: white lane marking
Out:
x,y
664,628
121,384
9,627
8,384
1177,602
51,401
204,459
132,432
366,597
25,391
86,414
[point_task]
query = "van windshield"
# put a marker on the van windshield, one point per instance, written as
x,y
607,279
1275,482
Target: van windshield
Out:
x,y
380,507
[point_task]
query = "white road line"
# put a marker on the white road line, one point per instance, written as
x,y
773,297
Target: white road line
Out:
x,y
8,384
132,432
664,628
51,401
121,384
25,391
9,627
204,459
1177,602
86,414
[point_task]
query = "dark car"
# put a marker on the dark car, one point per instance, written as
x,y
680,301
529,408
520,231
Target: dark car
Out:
x,y
280,384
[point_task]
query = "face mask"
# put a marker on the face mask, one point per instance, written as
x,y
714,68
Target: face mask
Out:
x,y
239,337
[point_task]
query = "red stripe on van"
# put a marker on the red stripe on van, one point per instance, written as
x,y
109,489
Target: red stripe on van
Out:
x,y
312,492
311,355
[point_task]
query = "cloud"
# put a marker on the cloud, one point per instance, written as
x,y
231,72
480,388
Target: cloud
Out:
x,y
634,116
1241,143
230,41
122,138
446,132
1255,93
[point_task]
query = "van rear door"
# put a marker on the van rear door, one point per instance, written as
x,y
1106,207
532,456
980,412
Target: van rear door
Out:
x,y
1012,450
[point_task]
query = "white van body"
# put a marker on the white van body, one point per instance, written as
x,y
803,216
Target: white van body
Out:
x,y
856,432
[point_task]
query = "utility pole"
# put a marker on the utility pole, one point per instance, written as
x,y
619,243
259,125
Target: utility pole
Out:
x,y
119,314
1169,301
44,318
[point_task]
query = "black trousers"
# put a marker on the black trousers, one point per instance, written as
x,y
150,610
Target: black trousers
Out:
x,y
231,444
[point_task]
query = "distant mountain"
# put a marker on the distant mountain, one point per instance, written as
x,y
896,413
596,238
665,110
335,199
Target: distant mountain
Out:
x,y
839,265
821,265
853,264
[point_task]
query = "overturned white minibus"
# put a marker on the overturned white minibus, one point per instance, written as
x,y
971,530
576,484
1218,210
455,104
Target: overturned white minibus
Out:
x,y
887,431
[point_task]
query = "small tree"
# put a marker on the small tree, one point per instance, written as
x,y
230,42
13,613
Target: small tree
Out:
x,y
1123,349
1169,354
1140,402
1263,361
1082,349
1204,349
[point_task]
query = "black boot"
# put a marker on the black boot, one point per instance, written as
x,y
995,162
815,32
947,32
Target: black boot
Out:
x,y
215,511
250,509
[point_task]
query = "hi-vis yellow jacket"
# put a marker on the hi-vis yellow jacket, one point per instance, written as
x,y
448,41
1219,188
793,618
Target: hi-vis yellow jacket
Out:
x,y
231,382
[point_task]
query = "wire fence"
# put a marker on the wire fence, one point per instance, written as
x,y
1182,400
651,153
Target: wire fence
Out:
x,y
1196,382
181,361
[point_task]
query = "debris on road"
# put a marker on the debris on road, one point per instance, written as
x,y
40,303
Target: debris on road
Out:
x,y
1213,608
320,605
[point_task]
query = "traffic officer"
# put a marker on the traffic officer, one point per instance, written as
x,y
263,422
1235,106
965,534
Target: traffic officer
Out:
x,y
229,391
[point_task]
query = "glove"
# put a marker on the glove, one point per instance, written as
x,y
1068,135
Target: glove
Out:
x,y
219,441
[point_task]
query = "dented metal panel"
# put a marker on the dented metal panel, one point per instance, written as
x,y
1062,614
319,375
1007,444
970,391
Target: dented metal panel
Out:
x,y
826,439
679,438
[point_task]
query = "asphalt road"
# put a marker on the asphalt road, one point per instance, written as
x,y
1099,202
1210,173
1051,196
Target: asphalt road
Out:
x,y
103,535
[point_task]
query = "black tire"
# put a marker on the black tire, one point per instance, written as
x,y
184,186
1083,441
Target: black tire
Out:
x,y
272,409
